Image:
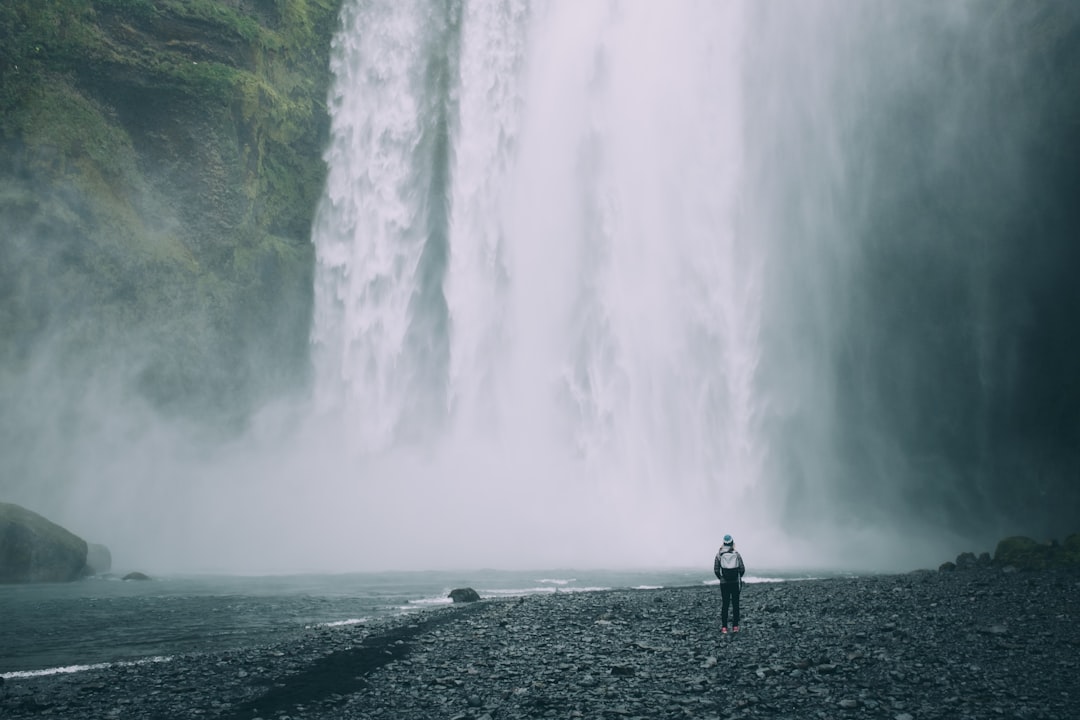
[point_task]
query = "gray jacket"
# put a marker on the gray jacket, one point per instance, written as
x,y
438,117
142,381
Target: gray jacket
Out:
x,y
716,563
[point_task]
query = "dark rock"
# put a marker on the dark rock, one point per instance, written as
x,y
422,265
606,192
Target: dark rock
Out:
x,y
464,595
34,549
966,561
985,560
947,567
98,559
136,576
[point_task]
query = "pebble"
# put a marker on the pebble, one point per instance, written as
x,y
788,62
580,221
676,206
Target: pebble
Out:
x,y
907,647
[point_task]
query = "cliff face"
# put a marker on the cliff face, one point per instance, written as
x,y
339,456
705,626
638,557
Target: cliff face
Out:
x,y
160,162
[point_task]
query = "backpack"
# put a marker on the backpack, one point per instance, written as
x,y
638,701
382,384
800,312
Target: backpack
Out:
x,y
729,565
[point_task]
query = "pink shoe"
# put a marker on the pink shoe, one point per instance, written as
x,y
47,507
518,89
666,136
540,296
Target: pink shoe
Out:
x,y
723,630
735,629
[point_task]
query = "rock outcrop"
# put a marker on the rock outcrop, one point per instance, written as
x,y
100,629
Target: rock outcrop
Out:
x,y
34,549
464,595
1024,553
1019,552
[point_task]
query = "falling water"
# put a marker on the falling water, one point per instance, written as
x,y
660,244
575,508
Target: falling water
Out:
x,y
530,271
600,282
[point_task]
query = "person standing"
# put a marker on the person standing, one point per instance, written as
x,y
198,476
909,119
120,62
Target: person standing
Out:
x,y
729,568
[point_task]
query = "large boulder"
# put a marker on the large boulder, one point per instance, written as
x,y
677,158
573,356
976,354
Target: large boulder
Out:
x,y
33,549
464,595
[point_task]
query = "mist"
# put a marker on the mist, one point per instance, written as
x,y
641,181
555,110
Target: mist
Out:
x,y
597,284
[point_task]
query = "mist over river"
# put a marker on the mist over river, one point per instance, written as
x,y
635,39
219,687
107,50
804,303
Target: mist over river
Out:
x,y
597,283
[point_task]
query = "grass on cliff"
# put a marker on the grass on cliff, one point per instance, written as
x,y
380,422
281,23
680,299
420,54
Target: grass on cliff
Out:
x,y
160,162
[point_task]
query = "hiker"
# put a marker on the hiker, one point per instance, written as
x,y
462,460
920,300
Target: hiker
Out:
x,y
728,567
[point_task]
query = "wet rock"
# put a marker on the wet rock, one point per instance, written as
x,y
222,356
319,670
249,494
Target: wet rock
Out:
x,y
464,595
35,549
966,561
136,576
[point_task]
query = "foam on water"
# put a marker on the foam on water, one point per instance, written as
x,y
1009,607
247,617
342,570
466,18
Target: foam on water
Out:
x,y
68,669
344,623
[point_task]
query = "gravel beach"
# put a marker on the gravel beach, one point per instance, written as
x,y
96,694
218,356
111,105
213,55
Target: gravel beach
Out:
x,y
967,644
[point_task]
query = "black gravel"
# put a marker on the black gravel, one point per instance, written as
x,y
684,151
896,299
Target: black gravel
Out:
x,y
973,644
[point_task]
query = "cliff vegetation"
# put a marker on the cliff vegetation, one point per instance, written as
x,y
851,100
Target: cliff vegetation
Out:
x,y
160,161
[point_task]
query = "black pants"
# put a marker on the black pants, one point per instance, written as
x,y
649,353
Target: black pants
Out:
x,y
729,596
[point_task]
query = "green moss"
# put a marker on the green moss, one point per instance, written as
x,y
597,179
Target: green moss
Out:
x,y
74,128
165,170
209,79
1027,554
215,13
140,9
36,37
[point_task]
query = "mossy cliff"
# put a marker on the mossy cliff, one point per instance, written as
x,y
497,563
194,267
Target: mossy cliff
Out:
x,y
160,162
1028,554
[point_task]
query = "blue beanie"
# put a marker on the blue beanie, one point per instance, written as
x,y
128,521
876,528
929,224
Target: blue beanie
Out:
x,y
728,540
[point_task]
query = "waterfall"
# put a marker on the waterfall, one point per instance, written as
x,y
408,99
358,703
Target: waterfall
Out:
x,y
530,270
598,283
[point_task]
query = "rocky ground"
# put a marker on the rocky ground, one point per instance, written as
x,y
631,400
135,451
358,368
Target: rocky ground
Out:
x,y
965,644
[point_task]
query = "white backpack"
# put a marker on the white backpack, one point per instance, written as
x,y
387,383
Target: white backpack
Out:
x,y
729,565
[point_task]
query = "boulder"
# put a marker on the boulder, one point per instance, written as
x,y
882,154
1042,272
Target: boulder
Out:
x,y
464,595
966,561
947,566
136,576
34,549
98,559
